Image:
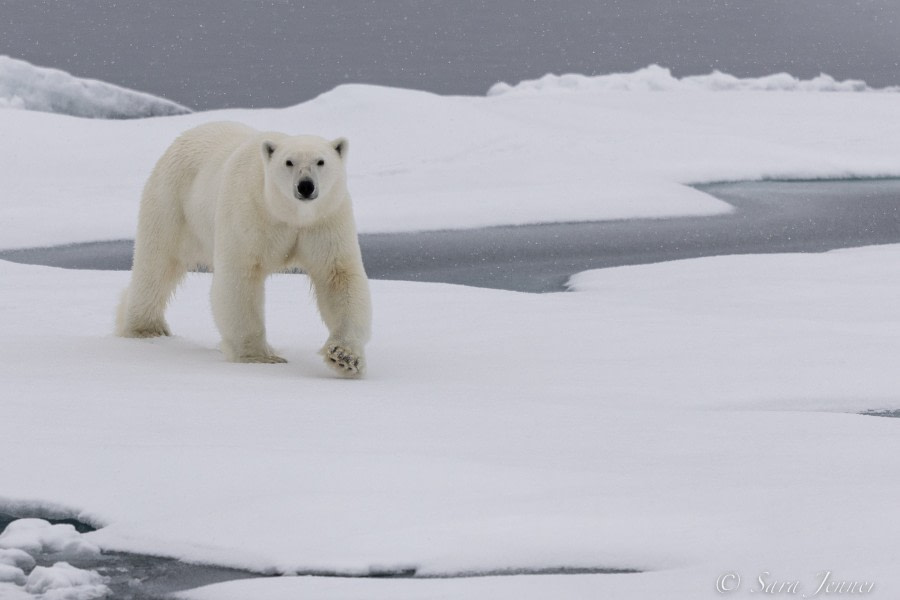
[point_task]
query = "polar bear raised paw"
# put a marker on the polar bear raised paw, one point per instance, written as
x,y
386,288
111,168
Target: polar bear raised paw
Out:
x,y
345,361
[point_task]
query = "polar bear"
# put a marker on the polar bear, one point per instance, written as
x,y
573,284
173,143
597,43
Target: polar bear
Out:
x,y
245,204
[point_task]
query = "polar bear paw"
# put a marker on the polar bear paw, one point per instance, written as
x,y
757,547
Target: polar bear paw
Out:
x,y
346,362
147,331
270,359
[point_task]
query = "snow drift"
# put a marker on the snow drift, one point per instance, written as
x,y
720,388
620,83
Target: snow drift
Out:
x,y
657,78
26,86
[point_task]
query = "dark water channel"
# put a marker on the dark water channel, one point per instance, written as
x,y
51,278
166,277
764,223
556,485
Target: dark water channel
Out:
x,y
768,217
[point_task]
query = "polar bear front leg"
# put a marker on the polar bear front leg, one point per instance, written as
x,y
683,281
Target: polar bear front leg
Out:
x,y
238,300
342,293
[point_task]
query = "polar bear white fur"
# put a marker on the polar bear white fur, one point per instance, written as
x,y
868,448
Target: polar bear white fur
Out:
x,y
245,204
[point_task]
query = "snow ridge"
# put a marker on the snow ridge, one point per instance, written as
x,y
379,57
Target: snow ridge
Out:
x,y
660,79
27,86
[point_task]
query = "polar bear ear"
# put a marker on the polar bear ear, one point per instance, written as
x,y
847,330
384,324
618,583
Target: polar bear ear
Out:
x,y
340,146
268,149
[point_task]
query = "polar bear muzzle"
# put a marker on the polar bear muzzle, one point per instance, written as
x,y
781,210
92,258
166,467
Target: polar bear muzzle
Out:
x,y
306,189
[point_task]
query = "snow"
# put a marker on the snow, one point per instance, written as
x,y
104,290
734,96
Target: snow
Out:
x,y
62,581
12,591
15,557
39,536
10,574
30,87
655,78
23,539
506,159
681,419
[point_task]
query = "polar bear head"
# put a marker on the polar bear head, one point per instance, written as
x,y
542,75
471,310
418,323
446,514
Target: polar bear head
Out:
x,y
306,177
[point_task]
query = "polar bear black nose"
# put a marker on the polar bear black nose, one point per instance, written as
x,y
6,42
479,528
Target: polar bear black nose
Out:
x,y
306,188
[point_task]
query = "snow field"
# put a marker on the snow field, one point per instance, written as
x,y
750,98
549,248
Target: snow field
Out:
x,y
506,159
679,419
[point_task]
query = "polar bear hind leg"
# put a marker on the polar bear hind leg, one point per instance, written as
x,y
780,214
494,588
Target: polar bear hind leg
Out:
x,y
157,268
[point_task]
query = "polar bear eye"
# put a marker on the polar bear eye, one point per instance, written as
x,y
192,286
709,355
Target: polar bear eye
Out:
x,y
321,163
289,163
